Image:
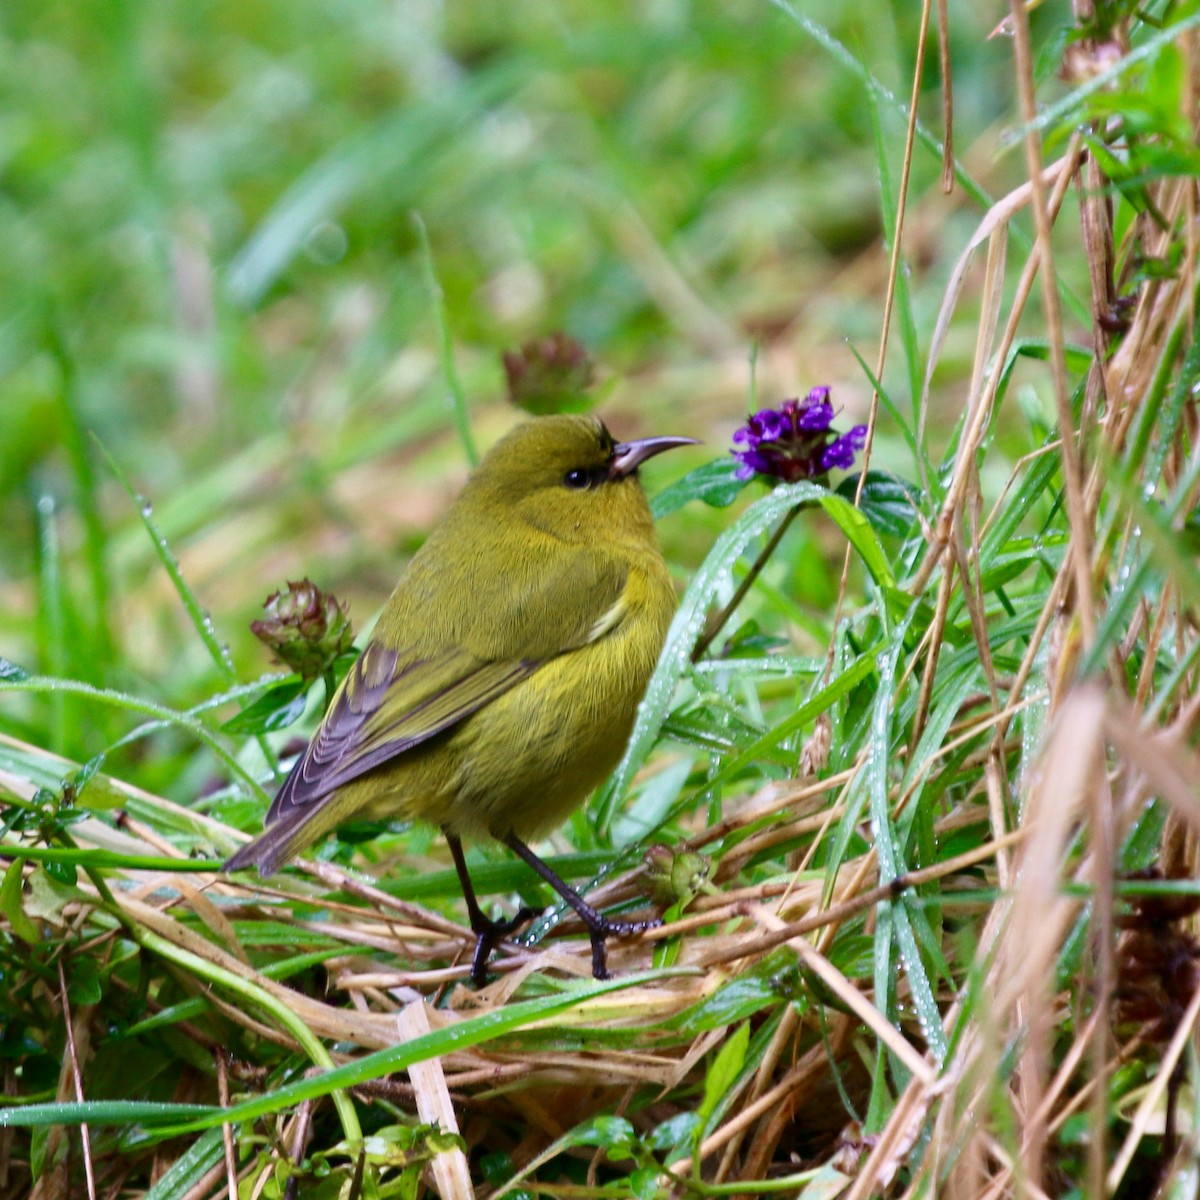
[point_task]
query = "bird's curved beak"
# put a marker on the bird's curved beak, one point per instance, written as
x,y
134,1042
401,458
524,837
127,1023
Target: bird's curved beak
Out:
x,y
628,456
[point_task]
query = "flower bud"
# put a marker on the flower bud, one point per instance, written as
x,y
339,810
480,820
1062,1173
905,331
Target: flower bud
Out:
x,y
674,877
305,627
549,375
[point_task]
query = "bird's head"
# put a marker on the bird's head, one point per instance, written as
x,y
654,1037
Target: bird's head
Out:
x,y
568,476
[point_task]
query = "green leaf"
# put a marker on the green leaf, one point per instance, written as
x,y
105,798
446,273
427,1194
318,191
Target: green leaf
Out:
x,y
857,528
614,1134
187,1170
890,503
713,484
104,1112
10,903
676,1131
277,708
108,858
861,668
165,716
599,1131
62,872
725,1069
83,980
891,863
742,997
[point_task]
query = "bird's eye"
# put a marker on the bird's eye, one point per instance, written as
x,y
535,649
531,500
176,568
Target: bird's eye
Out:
x,y
578,479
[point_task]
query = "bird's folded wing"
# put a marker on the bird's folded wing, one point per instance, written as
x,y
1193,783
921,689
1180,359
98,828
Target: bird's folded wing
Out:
x,y
394,700
385,707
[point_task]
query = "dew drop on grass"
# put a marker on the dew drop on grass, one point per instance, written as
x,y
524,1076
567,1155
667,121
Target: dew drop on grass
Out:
x,y
691,633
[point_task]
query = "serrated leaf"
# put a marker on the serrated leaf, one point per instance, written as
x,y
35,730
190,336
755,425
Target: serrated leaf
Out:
x,y
713,484
890,503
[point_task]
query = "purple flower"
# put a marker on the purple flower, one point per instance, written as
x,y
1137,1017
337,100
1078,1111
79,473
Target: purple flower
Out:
x,y
841,451
814,414
796,441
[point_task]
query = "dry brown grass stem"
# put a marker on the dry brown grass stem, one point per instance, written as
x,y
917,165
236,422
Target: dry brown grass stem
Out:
x,y
1041,914
451,1175
897,248
1058,1105
889,296
72,1064
981,399
854,1000
781,1041
810,1065
1077,512
230,1153
947,74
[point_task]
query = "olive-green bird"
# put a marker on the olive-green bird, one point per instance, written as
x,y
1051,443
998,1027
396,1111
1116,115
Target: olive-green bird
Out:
x,y
502,680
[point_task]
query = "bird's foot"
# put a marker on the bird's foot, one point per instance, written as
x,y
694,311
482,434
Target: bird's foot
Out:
x,y
489,934
612,928
598,925
603,928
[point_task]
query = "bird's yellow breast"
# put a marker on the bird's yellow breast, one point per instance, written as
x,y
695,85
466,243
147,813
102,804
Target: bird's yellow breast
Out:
x,y
526,760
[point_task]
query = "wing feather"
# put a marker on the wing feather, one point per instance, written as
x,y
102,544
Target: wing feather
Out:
x,y
380,711
393,699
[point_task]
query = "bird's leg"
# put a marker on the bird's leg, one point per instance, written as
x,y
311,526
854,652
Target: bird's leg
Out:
x,y
598,925
487,932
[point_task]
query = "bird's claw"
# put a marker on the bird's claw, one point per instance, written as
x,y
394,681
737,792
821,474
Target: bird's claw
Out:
x,y
605,928
488,934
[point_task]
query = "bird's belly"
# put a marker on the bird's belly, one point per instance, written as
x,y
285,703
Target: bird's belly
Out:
x,y
532,755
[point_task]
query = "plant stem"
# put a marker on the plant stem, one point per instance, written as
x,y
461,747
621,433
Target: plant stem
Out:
x,y
719,622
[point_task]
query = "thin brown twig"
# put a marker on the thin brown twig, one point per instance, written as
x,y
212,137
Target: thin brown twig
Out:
x,y
226,1129
943,29
889,298
85,1133
1077,512
722,618
972,437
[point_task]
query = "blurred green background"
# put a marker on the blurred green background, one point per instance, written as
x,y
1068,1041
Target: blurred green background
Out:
x,y
210,261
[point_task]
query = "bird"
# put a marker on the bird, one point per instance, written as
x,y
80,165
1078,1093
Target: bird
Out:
x,y
501,682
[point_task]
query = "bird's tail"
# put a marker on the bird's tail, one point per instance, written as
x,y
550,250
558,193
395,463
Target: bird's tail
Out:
x,y
282,839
